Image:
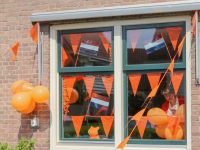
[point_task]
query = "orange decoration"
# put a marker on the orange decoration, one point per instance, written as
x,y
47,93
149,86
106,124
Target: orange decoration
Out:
x,y
174,33
108,81
123,143
17,86
33,33
181,112
21,100
171,122
64,57
27,87
169,134
176,79
69,82
138,115
93,132
30,108
22,87
74,96
135,80
75,39
142,125
77,121
89,82
40,94
157,116
15,49
101,109
112,113
153,79
180,47
194,23
107,123
182,125
134,36
78,78
160,130
177,126
104,41
153,92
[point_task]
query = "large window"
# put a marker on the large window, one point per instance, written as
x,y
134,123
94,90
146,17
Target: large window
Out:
x,y
148,50
86,87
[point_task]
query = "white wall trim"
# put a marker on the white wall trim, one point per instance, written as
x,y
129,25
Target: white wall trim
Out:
x,y
55,144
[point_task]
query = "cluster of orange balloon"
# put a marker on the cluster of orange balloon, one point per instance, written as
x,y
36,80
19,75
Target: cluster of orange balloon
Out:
x,y
159,118
26,96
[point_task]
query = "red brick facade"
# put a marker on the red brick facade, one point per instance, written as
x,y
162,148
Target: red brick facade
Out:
x,y
14,23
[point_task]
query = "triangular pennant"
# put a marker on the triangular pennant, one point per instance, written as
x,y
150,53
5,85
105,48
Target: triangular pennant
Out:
x,y
64,57
180,47
77,121
89,82
153,79
177,126
108,81
171,122
33,33
176,79
123,143
104,40
174,33
134,36
194,23
135,80
69,82
107,122
101,109
138,115
171,67
142,125
78,78
15,49
75,38
153,92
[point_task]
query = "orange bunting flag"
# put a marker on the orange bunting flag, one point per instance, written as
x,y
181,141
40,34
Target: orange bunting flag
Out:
x,y
69,82
194,23
174,33
78,78
89,82
64,57
153,79
153,92
15,49
33,33
134,36
138,115
77,121
171,66
180,47
108,81
107,122
135,80
123,143
142,125
75,39
171,122
105,41
101,109
176,79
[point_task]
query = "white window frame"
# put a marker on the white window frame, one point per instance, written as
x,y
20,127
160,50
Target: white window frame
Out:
x,y
55,143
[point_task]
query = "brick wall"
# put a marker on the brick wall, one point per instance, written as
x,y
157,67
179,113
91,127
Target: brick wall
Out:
x,y
14,23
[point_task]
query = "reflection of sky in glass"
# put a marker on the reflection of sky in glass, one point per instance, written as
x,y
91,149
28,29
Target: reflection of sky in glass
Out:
x,y
108,36
146,35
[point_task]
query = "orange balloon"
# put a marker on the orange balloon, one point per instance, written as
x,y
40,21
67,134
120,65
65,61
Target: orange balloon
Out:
x,y
169,135
30,108
21,86
40,94
160,130
157,116
74,96
182,125
21,100
181,112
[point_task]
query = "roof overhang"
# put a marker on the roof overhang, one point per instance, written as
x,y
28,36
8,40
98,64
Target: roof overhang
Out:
x,y
139,9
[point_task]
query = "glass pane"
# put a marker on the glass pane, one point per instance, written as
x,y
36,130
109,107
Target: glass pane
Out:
x,y
88,113
164,117
153,45
87,49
